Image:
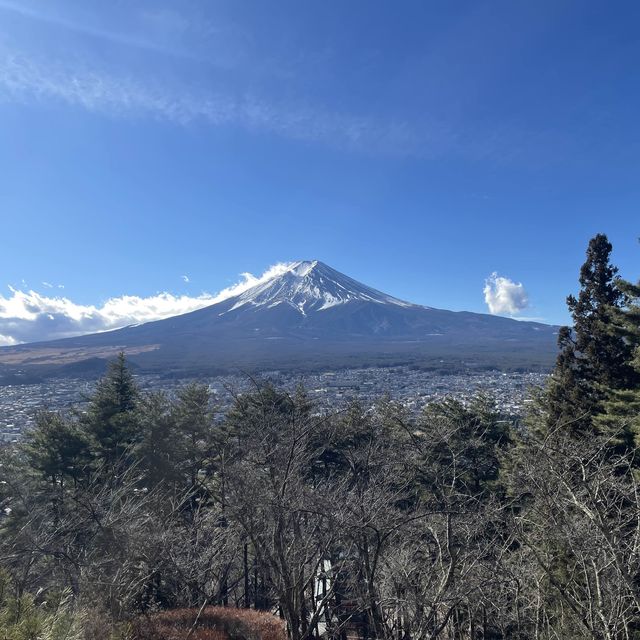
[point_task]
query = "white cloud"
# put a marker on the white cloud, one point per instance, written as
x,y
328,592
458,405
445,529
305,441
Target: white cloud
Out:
x,y
24,78
249,280
225,61
186,278
164,19
48,285
504,296
28,316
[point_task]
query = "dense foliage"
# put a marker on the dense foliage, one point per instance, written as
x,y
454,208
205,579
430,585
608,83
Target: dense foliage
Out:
x,y
457,523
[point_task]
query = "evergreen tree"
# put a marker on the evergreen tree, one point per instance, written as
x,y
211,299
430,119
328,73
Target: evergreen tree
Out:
x,y
266,405
157,450
568,399
592,357
57,450
477,433
111,420
193,418
622,406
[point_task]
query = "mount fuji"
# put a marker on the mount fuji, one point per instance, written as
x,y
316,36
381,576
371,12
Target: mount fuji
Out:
x,y
310,316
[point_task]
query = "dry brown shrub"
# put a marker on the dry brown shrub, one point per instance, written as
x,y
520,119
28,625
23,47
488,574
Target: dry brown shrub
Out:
x,y
98,625
214,623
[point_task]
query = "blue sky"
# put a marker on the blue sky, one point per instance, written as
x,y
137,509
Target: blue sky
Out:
x,y
416,146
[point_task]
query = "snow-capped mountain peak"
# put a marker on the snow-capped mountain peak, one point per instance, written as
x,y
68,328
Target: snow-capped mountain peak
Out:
x,y
311,285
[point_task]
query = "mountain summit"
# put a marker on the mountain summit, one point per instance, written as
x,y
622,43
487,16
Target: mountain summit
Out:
x,y
311,285
307,316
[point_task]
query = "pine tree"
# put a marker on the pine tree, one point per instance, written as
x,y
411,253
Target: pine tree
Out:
x,y
605,354
157,451
111,420
568,398
58,461
622,406
251,411
57,450
592,358
478,433
193,417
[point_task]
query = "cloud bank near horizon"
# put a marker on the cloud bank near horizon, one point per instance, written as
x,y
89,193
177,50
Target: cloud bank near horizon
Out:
x,y
504,296
30,316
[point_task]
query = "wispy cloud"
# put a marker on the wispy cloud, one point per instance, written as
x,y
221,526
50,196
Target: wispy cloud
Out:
x,y
190,65
48,285
249,280
28,316
26,78
41,14
504,296
186,279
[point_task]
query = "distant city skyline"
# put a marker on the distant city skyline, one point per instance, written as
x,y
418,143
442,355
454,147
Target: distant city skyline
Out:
x,y
455,156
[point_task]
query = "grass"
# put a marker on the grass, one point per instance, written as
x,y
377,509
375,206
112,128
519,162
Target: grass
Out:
x,y
214,623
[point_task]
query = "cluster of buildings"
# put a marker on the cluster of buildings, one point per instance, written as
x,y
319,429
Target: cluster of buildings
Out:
x,y
329,389
415,388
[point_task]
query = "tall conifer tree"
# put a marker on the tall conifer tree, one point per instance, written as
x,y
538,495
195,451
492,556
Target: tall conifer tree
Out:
x,y
622,405
195,433
111,420
592,358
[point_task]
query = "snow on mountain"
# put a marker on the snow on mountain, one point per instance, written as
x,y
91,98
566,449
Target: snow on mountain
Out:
x,y
311,285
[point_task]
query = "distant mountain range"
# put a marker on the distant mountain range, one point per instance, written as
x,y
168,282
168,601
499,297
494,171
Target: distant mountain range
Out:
x,y
309,317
